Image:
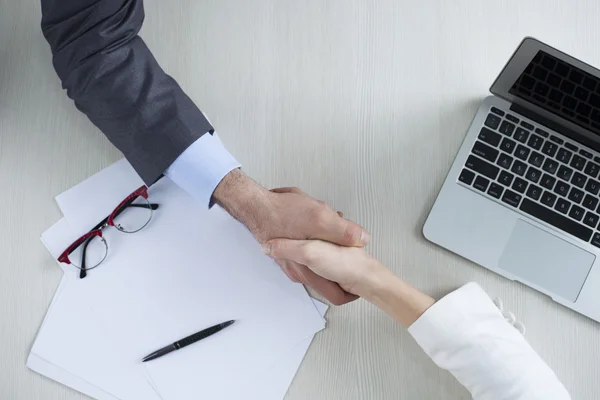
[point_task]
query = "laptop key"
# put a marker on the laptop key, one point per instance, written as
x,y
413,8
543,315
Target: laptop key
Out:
x,y
508,145
507,128
550,166
519,185
548,181
495,190
536,159
596,239
592,186
481,183
519,168
592,169
521,135
576,213
497,111
578,180
535,141
564,156
506,178
492,121
511,198
586,154
577,162
512,118
483,167
533,174
556,139
534,192
571,147
590,202
466,176
539,131
562,188
527,125
504,161
562,206
591,219
549,148
522,152
548,199
553,218
564,173
490,137
484,151
576,195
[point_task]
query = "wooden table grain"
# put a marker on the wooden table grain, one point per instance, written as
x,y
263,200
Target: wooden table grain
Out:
x,y
361,103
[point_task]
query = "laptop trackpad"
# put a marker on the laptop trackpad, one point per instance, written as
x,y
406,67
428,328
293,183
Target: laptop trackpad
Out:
x,y
545,260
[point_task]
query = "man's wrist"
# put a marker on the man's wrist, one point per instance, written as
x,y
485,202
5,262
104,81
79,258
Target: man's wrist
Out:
x,y
242,197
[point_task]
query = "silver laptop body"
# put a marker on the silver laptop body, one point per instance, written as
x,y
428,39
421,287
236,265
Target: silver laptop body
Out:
x,y
522,197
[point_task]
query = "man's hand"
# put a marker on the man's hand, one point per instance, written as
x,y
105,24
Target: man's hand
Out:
x,y
290,213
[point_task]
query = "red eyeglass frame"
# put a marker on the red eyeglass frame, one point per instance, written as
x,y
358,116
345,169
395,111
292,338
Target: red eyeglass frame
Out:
x,y
97,231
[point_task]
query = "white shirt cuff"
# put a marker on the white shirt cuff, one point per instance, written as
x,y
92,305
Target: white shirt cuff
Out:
x,y
201,167
466,334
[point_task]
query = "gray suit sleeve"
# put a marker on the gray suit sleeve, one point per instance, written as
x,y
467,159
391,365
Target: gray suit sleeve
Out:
x,y
111,75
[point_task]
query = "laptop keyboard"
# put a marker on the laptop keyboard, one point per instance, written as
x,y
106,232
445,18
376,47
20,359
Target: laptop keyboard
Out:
x,y
540,174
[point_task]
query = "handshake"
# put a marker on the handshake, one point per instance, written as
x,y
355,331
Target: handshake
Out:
x,y
312,243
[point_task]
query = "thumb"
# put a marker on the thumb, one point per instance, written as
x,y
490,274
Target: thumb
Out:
x,y
287,249
344,232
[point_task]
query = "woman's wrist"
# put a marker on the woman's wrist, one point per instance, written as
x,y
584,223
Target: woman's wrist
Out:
x,y
394,296
374,280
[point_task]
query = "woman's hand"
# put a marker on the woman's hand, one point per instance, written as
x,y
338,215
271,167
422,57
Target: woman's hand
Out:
x,y
351,267
356,272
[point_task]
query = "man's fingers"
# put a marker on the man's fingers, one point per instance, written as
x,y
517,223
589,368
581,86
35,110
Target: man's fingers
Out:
x,y
326,288
341,231
287,190
293,250
289,270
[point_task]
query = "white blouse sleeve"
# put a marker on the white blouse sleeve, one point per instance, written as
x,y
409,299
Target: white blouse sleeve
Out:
x,y
467,335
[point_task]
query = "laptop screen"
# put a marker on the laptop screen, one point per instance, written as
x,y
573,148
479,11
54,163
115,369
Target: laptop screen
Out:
x,y
562,89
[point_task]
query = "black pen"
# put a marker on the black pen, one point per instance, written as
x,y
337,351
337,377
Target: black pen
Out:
x,y
188,340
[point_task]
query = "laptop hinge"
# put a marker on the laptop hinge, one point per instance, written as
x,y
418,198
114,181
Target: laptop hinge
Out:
x,y
555,127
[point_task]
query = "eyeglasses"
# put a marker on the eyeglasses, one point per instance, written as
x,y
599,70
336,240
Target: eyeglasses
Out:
x,y
130,216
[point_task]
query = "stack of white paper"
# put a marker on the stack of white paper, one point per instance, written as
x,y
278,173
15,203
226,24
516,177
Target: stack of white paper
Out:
x,y
189,269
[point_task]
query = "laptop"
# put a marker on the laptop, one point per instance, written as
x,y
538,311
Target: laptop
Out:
x,y
522,197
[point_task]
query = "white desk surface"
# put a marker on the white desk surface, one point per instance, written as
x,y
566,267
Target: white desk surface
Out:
x,y
361,103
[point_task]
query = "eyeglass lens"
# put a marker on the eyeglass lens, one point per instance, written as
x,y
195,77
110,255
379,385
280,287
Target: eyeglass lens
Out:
x,y
90,253
133,216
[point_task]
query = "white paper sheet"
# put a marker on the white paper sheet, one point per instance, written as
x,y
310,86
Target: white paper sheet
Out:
x,y
106,380
145,293
72,338
49,370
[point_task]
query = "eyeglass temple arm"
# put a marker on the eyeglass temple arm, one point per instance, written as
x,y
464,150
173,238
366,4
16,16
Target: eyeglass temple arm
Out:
x,y
83,271
151,205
